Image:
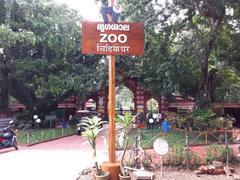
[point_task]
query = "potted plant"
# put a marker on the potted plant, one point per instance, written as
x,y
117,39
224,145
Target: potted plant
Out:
x,y
91,128
126,122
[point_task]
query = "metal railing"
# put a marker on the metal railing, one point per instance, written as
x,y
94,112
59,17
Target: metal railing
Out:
x,y
41,135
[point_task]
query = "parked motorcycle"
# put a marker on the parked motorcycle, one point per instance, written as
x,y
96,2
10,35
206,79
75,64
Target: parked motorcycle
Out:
x,y
8,138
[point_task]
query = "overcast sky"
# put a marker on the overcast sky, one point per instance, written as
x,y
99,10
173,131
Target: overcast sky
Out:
x,y
87,8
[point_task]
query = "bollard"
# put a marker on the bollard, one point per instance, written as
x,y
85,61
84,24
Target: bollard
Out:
x,y
42,135
206,138
28,137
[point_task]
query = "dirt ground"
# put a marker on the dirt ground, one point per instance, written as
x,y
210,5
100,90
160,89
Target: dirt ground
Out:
x,y
183,174
189,175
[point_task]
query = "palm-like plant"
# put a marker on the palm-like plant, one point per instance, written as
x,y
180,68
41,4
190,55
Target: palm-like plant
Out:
x,y
91,127
126,122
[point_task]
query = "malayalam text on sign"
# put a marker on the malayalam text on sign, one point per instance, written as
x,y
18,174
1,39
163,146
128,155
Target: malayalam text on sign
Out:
x,y
112,38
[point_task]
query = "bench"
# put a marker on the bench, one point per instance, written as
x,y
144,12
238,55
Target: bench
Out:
x,y
4,122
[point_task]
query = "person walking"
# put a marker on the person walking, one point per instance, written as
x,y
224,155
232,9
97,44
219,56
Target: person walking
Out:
x,y
165,124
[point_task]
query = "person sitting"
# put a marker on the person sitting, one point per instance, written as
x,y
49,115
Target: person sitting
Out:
x,y
113,10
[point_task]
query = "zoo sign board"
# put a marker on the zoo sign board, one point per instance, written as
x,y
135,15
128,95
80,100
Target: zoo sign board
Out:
x,y
112,38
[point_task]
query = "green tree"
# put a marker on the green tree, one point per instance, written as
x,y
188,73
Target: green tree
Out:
x,y
8,38
206,20
182,36
51,67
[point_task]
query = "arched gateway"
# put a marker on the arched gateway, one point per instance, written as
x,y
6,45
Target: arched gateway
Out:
x,y
140,98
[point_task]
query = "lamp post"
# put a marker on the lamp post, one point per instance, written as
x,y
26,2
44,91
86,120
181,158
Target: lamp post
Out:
x,y
38,121
151,121
156,120
35,117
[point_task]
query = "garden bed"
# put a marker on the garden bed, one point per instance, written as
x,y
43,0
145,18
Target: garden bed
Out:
x,y
171,173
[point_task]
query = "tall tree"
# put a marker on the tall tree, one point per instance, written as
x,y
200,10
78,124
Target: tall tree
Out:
x,y
9,37
183,31
207,19
47,71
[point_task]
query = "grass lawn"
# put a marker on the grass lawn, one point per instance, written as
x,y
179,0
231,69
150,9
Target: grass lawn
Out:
x,y
35,135
173,138
149,135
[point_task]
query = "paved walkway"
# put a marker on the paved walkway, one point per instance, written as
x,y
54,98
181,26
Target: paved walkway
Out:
x,y
61,159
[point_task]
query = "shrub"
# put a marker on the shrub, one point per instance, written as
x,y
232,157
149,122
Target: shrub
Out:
x,y
217,152
218,123
177,156
176,120
213,153
195,160
172,118
174,156
231,157
147,161
202,119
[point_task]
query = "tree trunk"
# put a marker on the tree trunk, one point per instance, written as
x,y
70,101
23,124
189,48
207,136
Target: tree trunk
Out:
x,y
4,95
23,94
215,15
204,100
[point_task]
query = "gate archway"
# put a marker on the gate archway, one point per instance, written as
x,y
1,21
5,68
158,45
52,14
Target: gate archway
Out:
x,y
140,98
124,100
152,105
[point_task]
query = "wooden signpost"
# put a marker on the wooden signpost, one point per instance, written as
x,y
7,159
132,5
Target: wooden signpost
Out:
x,y
112,39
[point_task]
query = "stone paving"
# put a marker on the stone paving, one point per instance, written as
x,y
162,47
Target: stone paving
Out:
x,y
61,159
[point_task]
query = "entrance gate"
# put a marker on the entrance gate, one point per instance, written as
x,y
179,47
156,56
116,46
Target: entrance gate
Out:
x,y
141,96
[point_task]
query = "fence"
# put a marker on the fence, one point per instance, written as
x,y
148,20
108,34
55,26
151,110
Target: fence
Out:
x,y
188,148
211,137
40,135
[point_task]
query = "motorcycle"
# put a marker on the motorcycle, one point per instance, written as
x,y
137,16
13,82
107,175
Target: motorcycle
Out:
x,y
8,138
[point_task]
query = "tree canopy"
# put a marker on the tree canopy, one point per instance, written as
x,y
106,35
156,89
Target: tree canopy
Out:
x,y
191,47
41,62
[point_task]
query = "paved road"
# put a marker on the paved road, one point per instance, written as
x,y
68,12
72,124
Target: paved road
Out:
x,y
61,159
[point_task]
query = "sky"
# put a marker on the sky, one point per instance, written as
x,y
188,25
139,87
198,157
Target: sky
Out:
x,y
88,9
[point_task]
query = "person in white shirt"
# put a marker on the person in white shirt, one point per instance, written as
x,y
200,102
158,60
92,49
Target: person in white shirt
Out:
x,y
114,10
117,10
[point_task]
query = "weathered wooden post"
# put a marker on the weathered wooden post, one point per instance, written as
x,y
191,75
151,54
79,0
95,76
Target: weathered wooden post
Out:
x,y
111,101
112,38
